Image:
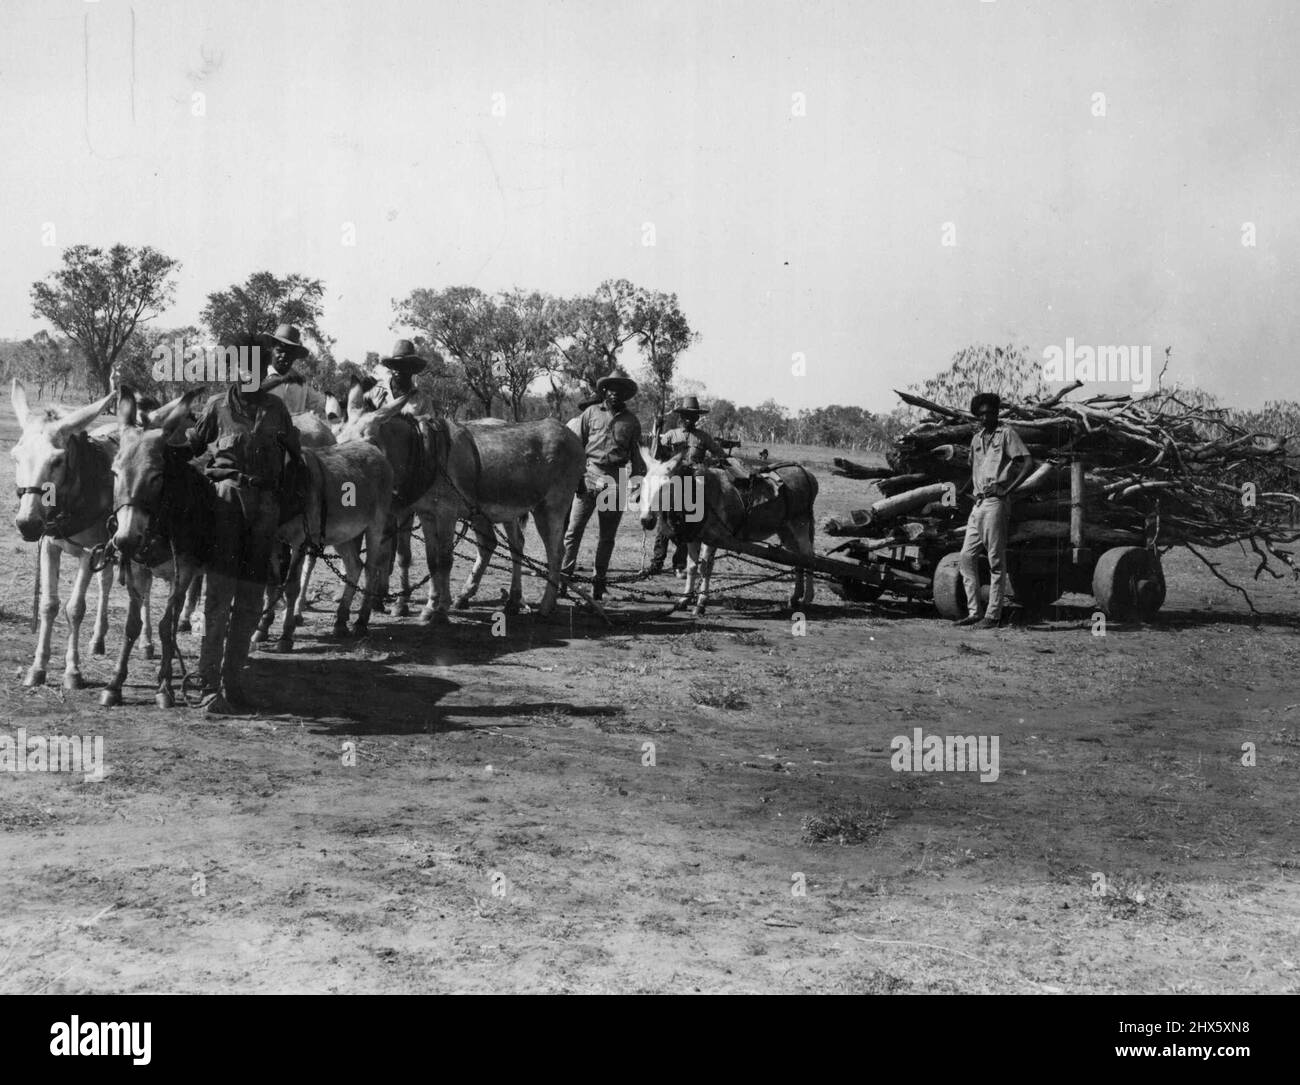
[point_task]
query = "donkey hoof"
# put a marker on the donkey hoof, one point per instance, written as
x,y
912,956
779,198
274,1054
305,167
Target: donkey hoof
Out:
x,y
259,636
164,699
97,648
360,629
73,680
698,611
185,626
283,644
403,611
511,606
110,698
462,603
149,651
35,677
341,630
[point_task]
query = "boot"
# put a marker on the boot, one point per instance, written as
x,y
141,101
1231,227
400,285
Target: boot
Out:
x,y
598,588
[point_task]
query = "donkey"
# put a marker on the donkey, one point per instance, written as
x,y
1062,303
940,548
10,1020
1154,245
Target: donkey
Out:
x,y
346,494
487,472
65,494
784,510
164,525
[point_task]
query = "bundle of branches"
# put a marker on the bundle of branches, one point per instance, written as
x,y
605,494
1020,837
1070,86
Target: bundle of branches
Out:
x,y
1172,471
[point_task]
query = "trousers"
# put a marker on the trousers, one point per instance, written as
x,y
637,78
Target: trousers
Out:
x,y
663,536
986,532
244,528
584,504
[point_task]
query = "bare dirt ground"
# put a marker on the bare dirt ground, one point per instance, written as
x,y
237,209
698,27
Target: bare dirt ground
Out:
x,y
500,831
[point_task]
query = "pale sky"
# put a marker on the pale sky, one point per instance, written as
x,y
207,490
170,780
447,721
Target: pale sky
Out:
x,y
818,234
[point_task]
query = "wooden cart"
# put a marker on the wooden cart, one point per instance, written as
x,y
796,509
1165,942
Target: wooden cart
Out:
x,y
1045,560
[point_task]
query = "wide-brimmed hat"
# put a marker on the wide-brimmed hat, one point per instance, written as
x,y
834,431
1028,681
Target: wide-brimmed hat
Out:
x,y
623,387
689,405
291,337
404,359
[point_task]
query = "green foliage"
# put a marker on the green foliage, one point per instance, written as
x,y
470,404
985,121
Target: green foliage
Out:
x,y
1009,371
42,363
264,301
98,299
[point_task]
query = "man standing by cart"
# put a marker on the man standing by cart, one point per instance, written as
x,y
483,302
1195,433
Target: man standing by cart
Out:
x,y
999,463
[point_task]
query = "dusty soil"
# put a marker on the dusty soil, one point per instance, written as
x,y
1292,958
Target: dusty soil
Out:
x,y
502,831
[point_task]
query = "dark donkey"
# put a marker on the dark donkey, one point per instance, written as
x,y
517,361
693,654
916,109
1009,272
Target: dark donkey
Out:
x,y
163,507
720,513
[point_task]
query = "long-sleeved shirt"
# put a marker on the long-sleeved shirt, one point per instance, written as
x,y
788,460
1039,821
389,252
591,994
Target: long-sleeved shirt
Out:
x,y
300,398
611,440
699,444
993,457
418,401
248,433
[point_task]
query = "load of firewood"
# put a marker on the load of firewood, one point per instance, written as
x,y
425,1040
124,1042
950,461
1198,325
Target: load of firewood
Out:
x,y
1155,466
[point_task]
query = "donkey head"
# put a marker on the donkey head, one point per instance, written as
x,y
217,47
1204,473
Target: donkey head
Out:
x,y
658,474
45,459
140,465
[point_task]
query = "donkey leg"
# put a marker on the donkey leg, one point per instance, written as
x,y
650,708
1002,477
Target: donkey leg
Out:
x,y
49,557
439,540
692,574
275,589
146,611
177,601
304,602
404,530
350,552
192,595
514,529
796,536
809,581
550,520
291,589
101,610
705,562
374,565
137,580
75,612
486,541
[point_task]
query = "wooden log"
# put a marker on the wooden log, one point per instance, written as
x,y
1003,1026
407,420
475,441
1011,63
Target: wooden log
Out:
x,y
901,483
929,405
891,507
849,469
1044,530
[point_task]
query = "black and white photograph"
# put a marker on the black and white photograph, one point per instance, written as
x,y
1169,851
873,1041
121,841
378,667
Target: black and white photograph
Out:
x,y
791,497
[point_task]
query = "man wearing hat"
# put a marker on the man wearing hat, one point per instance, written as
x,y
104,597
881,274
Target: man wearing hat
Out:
x,y
999,462
611,435
398,379
291,389
247,434
700,448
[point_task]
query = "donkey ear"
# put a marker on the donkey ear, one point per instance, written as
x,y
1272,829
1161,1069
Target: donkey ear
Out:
x,y
18,397
126,407
171,415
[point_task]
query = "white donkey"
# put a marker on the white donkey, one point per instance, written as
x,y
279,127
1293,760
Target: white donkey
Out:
x,y
65,497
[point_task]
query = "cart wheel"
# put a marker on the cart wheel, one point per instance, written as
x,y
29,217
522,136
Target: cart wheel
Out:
x,y
859,591
1128,583
949,591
